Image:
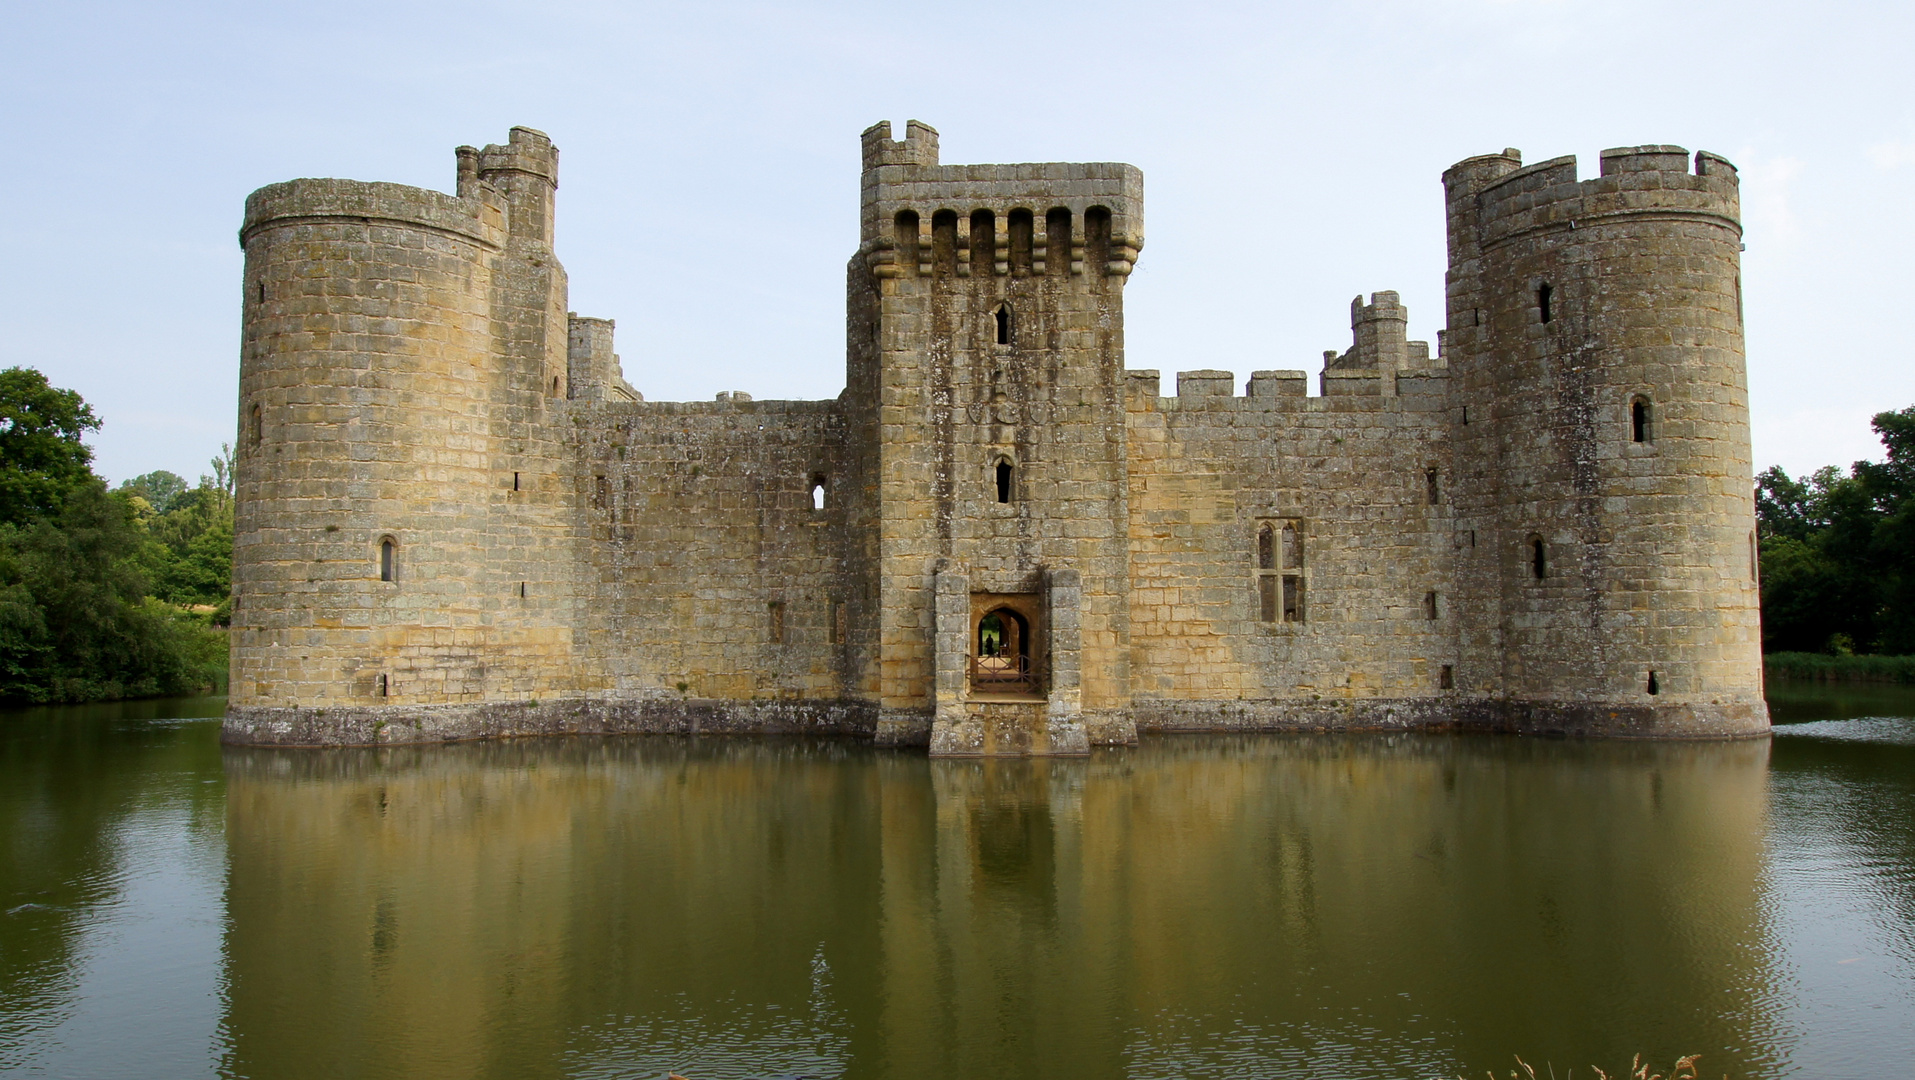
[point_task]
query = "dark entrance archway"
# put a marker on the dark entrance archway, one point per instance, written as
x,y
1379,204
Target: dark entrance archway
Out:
x,y
1001,654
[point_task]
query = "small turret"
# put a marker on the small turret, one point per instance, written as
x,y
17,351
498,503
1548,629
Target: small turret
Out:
x,y
526,169
918,147
593,372
1379,348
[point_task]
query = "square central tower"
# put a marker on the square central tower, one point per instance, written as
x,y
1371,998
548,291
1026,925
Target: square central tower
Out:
x,y
986,361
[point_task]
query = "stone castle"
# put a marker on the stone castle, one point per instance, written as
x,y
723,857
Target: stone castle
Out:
x,y
457,518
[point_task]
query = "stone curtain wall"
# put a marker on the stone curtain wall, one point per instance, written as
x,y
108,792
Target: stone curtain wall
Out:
x,y
1350,471
706,563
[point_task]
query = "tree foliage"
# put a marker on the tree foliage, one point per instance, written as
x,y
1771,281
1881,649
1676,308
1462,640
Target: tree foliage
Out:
x,y
1838,552
41,455
159,488
96,586
76,623
189,559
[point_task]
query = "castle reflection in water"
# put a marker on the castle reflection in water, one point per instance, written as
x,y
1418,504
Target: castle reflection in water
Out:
x,y
1389,905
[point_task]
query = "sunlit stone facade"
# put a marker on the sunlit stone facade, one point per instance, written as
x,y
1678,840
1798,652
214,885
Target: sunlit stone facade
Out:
x,y
457,518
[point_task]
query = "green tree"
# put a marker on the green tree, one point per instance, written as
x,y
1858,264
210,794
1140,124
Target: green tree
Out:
x,y
1838,551
159,488
1889,487
75,621
190,555
76,561
41,455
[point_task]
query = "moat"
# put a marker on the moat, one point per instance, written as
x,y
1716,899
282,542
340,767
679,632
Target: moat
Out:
x,y
1196,906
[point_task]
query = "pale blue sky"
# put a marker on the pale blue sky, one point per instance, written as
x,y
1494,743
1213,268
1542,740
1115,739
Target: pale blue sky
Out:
x,y
708,190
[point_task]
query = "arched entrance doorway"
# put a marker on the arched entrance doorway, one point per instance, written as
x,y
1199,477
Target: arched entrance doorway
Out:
x,y
1001,654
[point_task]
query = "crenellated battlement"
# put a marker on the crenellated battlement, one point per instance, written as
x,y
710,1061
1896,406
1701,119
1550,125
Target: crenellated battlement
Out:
x,y
1658,181
1379,349
918,147
1041,217
527,150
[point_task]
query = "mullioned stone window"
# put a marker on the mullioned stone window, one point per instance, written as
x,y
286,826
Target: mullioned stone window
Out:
x,y
1280,572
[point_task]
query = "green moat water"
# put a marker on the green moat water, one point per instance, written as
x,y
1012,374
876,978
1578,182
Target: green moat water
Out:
x,y
1352,906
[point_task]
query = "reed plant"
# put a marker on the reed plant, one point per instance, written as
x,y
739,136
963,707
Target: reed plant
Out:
x,y
1683,1069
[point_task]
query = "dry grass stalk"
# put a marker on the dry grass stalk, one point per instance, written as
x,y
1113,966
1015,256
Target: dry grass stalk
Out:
x,y
1684,1069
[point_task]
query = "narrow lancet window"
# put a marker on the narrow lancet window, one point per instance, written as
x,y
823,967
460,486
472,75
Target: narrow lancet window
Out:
x,y
1003,480
1538,558
1432,487
388,560
817,493
1004,325
1543,292
1641,421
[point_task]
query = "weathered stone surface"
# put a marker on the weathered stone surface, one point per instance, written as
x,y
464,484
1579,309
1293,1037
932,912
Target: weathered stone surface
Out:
x,y
568,557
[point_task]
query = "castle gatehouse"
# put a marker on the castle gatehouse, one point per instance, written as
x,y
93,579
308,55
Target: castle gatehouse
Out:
x,y
459,518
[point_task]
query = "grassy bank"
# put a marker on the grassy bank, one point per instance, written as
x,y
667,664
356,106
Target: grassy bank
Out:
x,y
1821,667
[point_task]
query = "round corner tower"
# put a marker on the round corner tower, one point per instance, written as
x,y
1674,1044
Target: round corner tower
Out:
x,y
397,369
1604,500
